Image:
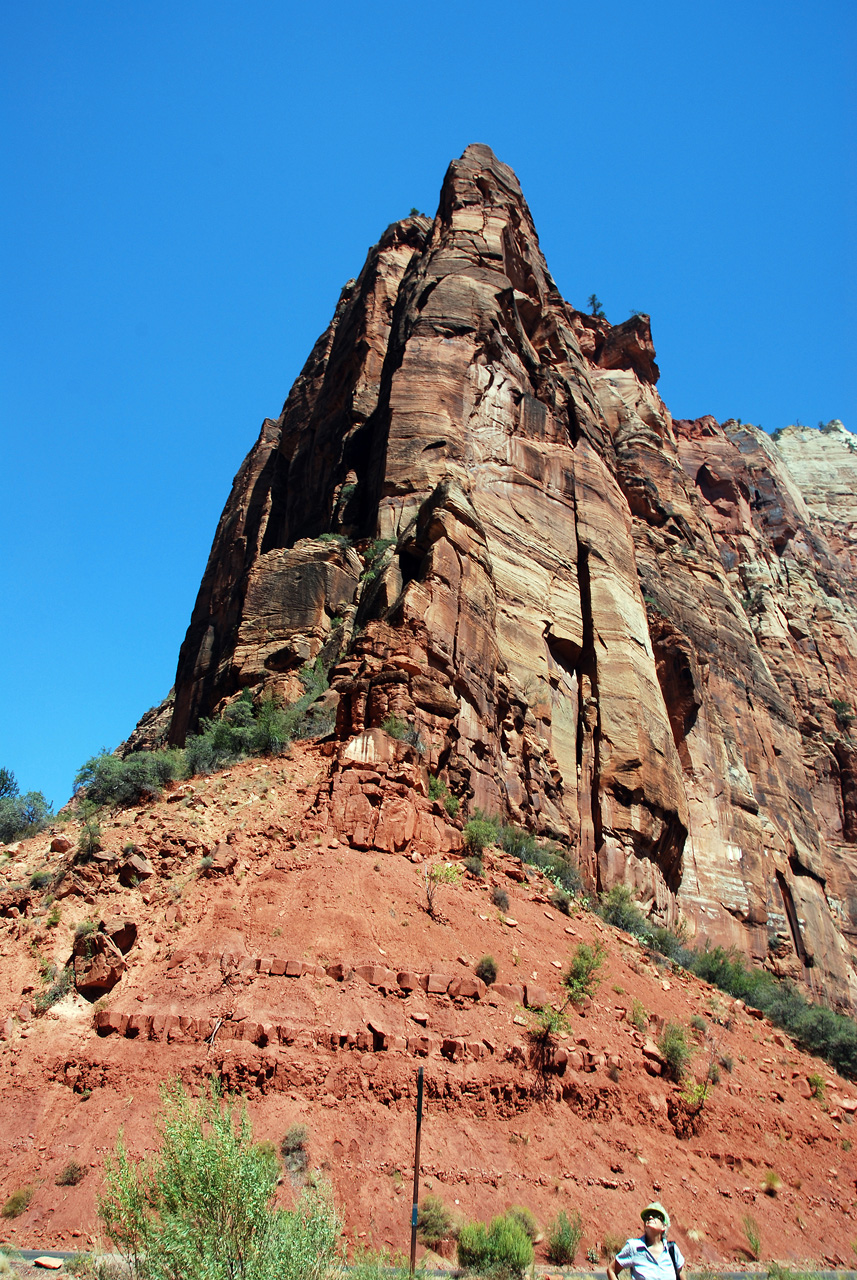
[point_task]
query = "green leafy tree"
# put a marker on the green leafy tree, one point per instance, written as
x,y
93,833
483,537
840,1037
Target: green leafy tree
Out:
x,y
203,1204
20,815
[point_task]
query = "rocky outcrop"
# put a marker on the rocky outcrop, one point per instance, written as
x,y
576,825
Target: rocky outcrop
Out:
x,y
634,635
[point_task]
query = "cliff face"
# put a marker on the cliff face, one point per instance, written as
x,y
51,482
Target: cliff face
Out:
x,y
632,634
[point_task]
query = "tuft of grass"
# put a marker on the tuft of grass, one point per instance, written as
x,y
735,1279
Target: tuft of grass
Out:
x,y
753,1235
71,1175
771,1182
293,1150
638,1016
18,1202
564,1237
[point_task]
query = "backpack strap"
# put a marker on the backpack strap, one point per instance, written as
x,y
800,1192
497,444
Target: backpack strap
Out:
x,y
671,1250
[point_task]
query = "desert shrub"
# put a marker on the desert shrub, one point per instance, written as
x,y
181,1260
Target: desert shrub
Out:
x,y
434,1221
500,898
18,1202
525,1219
727,1062
698,1022
675,1049
40,879
816,1085
21,815
638,1015
204,1204
582,976
486,969
618,908
516,841
562,900
107,780
474,866
89,840
8,1257
84,928
479,832
59,986
771,1182
611,1244
452,804
293,1150
829,1035
434,877
402,731
437,788
368,1265
564,1237
71,1175
501,1249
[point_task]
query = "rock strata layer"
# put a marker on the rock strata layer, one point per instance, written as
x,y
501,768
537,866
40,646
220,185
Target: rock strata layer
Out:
x,y
631,634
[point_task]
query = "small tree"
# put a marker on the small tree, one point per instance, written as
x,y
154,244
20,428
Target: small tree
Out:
x,y
439,873
203,1205
595,307
582,977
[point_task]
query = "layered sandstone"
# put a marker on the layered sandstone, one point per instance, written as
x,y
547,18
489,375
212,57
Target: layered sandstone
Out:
x,y
634,635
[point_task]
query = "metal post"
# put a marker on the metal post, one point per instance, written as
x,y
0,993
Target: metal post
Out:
x,y
416,1170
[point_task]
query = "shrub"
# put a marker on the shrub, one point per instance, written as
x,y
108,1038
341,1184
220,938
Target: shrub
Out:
x,y
582,977
816,1085
478,833
619,909
525,1220
561,900
452,804
638,1015
753,1233
403,732
368,1265
611,1244
676,1051
771,1182
564,1238
204,1203
475,867
500,898
39,879
89,840
503,1248
434,1221
517,841
698,1022
437,787
293,1150
18,1202
107,780
486,969
71,1175
440,873
21,816
59,987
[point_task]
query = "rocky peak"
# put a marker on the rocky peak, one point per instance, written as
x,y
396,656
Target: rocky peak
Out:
x,y
629,634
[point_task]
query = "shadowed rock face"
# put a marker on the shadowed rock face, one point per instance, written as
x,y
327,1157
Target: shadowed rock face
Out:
x,y
628,633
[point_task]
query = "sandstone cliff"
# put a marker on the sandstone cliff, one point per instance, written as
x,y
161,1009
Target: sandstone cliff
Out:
x,y
635,635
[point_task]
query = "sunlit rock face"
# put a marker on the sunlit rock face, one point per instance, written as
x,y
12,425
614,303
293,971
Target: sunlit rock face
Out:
x,y
632,634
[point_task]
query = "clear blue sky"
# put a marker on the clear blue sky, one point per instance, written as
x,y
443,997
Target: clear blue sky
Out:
x,y
188,185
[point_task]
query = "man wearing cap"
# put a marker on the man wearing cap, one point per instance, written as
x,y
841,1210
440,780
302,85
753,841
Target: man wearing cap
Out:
x,y
651,1257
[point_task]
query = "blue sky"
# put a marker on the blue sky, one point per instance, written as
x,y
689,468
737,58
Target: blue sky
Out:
x,y
188,185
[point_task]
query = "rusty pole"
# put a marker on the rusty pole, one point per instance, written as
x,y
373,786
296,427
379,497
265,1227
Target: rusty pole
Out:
x,y
415,1206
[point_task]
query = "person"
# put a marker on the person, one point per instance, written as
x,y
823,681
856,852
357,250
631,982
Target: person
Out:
x,y
652,1256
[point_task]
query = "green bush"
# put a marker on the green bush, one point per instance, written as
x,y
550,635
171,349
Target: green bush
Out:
x,y
475,867
479,831
582,977
502,1249
40,879
20,815
500,898
434,1221
486,969
204,1204
525,1220
60,986
437,788
293,1150
107,780
17,1203
564,1237
675,1049
561,900
403,732
452,804
618,908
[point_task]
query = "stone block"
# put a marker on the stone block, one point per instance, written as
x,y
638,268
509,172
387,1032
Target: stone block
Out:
x,y
511,991
338,971
278,967
294,968
536,997
407,981
453,1048
435,984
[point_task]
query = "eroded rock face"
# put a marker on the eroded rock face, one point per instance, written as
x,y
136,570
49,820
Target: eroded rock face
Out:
x,y
632,634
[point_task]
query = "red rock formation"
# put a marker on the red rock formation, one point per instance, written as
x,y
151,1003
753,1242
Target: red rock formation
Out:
x,y
629,634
